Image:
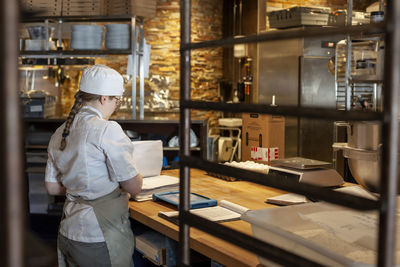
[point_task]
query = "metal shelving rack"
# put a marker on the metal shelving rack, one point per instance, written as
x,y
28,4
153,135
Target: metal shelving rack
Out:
x,y
349,90
62,56
386,205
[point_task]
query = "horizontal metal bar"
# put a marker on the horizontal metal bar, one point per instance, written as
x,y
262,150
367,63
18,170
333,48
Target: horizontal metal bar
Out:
x,y
126,18
72,53
57,61
283,183
247,242
369,29
308,112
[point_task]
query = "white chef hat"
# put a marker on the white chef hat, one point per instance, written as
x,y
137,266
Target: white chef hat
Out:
x,y
101,80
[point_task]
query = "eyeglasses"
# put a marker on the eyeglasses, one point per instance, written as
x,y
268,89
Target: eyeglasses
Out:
x,y
117,100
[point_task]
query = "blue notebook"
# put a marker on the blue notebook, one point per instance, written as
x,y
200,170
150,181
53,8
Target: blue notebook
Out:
x,y
196,201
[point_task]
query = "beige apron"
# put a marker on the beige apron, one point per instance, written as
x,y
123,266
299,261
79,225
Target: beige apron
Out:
x,y
112,213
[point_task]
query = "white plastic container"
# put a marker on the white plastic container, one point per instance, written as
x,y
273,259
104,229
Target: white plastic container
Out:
x,y
327,234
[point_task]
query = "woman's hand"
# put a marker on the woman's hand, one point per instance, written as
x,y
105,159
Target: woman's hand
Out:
x,y
133,186
55,188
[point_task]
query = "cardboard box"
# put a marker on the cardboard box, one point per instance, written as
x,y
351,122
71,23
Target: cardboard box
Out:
x,y
152,245
140,8
83,8
45,7
262,131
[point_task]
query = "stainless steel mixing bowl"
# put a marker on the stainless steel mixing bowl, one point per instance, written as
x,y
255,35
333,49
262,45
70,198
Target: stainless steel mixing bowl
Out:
x,y
363,151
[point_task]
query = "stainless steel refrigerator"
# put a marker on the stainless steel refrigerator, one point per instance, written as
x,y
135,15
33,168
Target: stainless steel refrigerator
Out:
x,y
296,72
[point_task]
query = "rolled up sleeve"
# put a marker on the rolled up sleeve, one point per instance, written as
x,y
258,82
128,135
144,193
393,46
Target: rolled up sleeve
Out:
x,y
118,149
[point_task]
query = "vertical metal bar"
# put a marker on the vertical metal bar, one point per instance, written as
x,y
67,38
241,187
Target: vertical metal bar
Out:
x,y
299,100
184,186
12,199
336,78
348,56
134,66
389,183
235,83
382,5
335,139
59,34
46,23
375,107
141,69
240,17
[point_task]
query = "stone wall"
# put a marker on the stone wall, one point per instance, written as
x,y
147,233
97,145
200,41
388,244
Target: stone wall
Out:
x,y
163,34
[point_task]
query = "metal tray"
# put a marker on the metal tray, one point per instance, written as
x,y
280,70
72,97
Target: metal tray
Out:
x,y
300,163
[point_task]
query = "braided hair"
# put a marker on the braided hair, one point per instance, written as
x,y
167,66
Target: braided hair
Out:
x,y
80,99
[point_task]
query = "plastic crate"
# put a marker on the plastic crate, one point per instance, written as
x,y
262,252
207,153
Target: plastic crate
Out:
x,y
299,16
38,107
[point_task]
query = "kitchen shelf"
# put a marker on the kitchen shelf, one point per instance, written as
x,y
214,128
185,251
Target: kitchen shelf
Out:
x,y
153,127
118,18
63,57
35,170
73,53
55,61
352,81
35,147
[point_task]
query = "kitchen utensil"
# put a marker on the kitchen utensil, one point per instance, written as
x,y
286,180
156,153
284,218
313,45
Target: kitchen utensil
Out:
x,y
300,163
39,32
86,37
363,151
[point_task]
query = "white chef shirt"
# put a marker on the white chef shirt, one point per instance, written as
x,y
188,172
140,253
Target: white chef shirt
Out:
x,y
97,157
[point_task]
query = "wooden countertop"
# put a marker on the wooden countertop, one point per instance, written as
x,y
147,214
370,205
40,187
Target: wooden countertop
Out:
x,y
247,194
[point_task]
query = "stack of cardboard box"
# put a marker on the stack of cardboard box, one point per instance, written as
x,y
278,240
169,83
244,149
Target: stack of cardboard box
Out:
x,y
140,8
44,7
83,8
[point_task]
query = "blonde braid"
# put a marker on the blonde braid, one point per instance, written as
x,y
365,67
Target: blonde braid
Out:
x,y
75,108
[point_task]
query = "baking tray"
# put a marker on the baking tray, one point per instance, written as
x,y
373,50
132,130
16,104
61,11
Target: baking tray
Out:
x,y
196,201
300,163
298,16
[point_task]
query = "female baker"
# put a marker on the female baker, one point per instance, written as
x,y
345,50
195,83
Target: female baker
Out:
x,y
89,159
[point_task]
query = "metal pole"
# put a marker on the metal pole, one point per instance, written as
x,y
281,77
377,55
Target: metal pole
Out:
x,y
389,183
134,66
12,208
382,5
184,186
141,69
348,56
